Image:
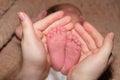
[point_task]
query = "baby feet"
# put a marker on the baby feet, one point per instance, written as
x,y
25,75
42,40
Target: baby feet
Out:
x,y
64,49
56,41
72,53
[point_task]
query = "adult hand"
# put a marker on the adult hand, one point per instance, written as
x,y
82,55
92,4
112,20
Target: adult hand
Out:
x,y
31,42
35,61
43,23
96,51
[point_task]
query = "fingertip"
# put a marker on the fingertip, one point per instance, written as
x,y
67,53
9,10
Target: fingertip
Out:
x,y
79,28
27,26
69,26
48,20
60,12
24,17
76,26
21,16
108,44
86,23
111,35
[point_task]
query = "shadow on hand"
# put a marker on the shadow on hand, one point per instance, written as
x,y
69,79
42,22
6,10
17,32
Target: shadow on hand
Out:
x,y
107,75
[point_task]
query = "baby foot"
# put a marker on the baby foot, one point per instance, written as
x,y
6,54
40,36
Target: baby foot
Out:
x,y
72,54
56,41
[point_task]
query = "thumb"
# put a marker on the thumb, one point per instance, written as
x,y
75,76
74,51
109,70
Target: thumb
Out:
x,y
106,49
27,27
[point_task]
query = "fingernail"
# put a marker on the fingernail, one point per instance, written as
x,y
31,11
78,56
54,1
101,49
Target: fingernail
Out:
x,y
111,35
21,16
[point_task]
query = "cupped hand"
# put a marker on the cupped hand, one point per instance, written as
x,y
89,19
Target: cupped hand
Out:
x,y
96,53
44,23
34,54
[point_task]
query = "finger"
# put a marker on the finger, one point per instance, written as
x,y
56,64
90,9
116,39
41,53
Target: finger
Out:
x,y
69,26
18,32
39,34
98,38
85,36
106,49
44,42
40,16
61,22
44,23
27,27
83,44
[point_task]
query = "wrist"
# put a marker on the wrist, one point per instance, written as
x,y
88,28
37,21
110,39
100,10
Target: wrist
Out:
x,y
30,72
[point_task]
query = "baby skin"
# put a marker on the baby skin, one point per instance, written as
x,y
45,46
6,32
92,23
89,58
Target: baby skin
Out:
x,y
64,49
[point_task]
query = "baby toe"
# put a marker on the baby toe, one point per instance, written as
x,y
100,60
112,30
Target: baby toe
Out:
x,y
69,36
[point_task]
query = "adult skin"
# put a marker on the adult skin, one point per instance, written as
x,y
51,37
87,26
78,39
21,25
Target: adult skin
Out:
x,y
101,55
35,61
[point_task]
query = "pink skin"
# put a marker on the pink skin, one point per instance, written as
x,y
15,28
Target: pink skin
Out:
x,y
56,40
64,49
73,50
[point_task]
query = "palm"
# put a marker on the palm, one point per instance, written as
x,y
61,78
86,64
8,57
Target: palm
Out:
x,y
94,54
43,26
84,55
